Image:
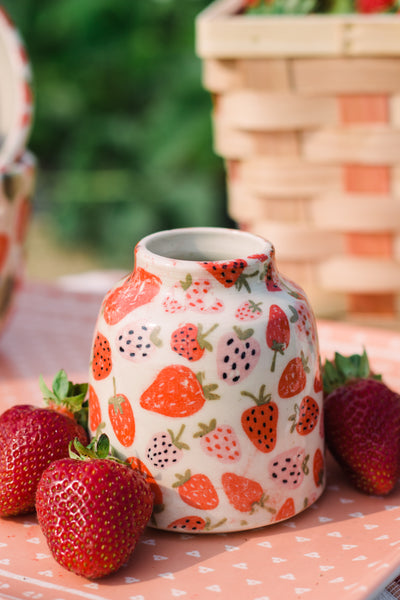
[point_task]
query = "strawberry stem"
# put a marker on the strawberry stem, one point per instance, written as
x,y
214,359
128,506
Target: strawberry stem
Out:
x,y
344,369
69,396
262,398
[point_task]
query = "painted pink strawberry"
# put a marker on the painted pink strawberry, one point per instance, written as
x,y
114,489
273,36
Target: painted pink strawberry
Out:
x,y
249,311
219,441
166,449
237,355
304,321
138,340
200,297
288,468
175,300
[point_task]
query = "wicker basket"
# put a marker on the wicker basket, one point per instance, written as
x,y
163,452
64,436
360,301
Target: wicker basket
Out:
x,y
306,114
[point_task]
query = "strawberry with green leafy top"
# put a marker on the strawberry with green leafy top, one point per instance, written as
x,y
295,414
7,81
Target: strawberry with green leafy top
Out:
x,y
362,423
92,509
32,437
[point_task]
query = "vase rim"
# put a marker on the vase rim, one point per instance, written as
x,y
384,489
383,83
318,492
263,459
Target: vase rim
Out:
x,y
197,244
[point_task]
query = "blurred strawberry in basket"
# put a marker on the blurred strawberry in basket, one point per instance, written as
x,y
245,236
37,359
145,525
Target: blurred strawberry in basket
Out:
x,y
362,423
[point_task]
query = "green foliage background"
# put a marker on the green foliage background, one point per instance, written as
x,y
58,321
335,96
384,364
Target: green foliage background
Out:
x,y
122,127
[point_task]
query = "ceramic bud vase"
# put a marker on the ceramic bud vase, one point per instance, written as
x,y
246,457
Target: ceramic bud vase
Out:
x,y
205,375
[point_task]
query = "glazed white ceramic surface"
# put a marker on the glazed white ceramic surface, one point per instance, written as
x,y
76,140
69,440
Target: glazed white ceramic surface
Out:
x,y
205,374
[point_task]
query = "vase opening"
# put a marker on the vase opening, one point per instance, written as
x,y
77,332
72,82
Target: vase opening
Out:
x,y
205,244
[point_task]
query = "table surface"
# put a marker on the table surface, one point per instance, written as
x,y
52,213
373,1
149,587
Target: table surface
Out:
x,y
346,545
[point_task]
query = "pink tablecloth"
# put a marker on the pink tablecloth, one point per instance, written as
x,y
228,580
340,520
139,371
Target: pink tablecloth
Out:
x,y
347,545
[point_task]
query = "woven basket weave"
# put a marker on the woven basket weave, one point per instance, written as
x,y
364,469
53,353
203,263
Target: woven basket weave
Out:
x,y
306,114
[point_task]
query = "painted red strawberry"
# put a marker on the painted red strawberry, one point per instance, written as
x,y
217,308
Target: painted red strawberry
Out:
x,y
190,342
137,464
94,410
200,297
294,377
4,248
177,392
92,510
139,288
362,423
242,493
30,439
318,467
196,490
121,418
278,332
305,417
101,357
271,277
249,311
288,468
165,449
219,441
237,355
138,340
286,511
260,422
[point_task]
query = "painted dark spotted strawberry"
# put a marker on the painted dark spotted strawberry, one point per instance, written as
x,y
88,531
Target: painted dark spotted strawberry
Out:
x,y
195,523
237,355
190,341
165,449
305,417
227,273
101,357
260,422
138,340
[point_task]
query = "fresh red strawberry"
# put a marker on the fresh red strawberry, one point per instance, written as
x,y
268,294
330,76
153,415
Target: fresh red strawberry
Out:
x,y
121,418
294,377
278,332
305,417
94,410
248,311
139,288
237,355
286,511
227,273
190,341
219,441
101,357
242,493
362,423
260,422
30,439
196,490
177,392
4,248
137,464
92,509
166,449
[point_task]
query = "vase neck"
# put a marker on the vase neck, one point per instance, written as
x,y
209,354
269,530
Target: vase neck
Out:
x,y
227,255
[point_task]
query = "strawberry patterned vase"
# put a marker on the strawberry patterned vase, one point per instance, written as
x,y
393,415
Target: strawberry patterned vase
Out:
x,y
205,374
17,182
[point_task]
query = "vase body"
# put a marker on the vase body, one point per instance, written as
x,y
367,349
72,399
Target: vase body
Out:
x,y
205,374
